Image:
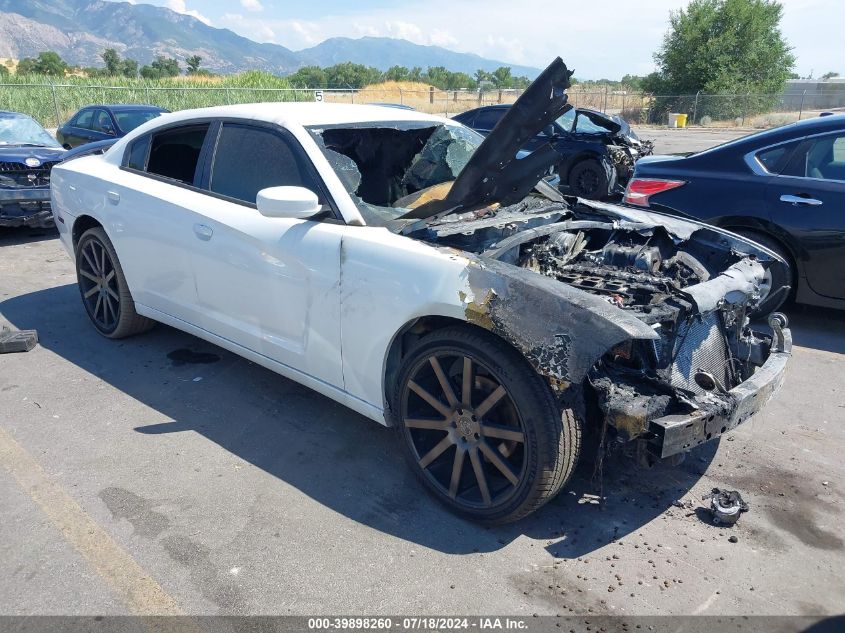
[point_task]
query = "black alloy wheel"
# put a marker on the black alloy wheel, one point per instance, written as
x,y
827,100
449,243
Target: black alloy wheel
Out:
x,y
588,180
102,285
480,428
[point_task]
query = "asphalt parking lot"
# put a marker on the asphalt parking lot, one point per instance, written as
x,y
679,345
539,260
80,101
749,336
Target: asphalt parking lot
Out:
x,y
160,474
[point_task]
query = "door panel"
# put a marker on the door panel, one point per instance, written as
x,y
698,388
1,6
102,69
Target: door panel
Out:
x,y
819,229
271,285
808,201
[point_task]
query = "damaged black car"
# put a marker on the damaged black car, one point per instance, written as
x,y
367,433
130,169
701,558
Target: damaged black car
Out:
x,y
597,151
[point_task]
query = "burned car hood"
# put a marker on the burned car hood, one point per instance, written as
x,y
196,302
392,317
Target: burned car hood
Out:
x,y
494,174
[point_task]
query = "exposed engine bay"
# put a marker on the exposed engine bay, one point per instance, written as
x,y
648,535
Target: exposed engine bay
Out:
x,y
694,288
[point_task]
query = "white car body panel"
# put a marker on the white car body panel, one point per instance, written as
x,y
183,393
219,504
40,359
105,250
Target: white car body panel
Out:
x,y
317,302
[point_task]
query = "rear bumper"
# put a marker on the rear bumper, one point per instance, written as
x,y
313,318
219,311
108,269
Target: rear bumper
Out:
x,y
673,434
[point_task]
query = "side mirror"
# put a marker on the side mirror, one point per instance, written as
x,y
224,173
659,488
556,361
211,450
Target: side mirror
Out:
x,y
108,131
287,202
549,131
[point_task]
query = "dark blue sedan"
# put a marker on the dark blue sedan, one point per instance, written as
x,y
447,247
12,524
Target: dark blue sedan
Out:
x,y
27,155
784,188
101,122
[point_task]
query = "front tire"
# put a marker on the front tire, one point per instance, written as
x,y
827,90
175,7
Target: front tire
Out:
x,y
102,285
479,427
588,179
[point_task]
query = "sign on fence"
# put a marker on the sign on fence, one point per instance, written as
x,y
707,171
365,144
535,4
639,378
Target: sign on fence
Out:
x,y
318,95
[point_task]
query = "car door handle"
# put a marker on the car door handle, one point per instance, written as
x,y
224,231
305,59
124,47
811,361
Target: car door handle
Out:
x,y
114,197
203,232
810,202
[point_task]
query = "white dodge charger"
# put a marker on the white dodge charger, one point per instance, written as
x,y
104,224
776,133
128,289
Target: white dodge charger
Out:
x,y
430,280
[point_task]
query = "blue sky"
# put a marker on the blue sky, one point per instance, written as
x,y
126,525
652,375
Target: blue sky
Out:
x,y
604,38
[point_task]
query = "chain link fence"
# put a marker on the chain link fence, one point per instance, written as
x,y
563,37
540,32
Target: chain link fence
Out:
x,y
53,104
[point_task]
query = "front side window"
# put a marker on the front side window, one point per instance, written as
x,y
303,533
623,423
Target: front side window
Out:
x,y
250,159
174,153
102,122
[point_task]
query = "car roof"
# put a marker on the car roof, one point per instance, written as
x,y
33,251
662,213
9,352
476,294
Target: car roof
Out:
x,y
129,107
305,114
788,132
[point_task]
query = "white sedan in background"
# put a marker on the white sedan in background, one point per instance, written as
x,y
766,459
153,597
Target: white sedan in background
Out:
x,y
394,262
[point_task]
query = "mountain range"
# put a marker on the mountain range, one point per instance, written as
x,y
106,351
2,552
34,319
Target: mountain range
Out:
x,y
79,31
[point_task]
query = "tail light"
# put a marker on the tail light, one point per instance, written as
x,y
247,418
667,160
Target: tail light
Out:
x,y
639,190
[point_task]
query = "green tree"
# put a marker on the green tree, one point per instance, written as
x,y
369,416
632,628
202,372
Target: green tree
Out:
x,y
193,63
502,78
308,77
161,67
112,60
829,75
480,76
415,74
396,73
129,68
47,63
4,72
350,75
724,47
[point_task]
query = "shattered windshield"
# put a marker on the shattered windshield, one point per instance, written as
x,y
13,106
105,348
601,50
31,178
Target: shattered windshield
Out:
x,y
21,130
391,168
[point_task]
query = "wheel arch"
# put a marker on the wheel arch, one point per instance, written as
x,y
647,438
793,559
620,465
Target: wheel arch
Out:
x,y
406,337
770,231
82,224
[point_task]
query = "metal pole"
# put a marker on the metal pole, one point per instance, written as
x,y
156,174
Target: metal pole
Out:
x,y
801,111
695,108
605,100
401,101
56,104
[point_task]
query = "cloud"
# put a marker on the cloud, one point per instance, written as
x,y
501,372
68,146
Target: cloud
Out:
x,y
179,6
256,30
619,37
252,5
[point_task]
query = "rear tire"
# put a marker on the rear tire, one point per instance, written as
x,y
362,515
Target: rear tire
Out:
x,y
102,285
493,453
774,279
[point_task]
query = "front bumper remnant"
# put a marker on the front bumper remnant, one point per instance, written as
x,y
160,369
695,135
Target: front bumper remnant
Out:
x,y
675,434
25,207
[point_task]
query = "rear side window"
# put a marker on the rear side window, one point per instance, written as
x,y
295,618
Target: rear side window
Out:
x,y
487,119
174,153
250,159
84,119
775,159
136,158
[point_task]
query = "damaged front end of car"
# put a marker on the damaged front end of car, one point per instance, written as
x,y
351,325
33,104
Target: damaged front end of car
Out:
x,y
617,145
635,317
642,318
